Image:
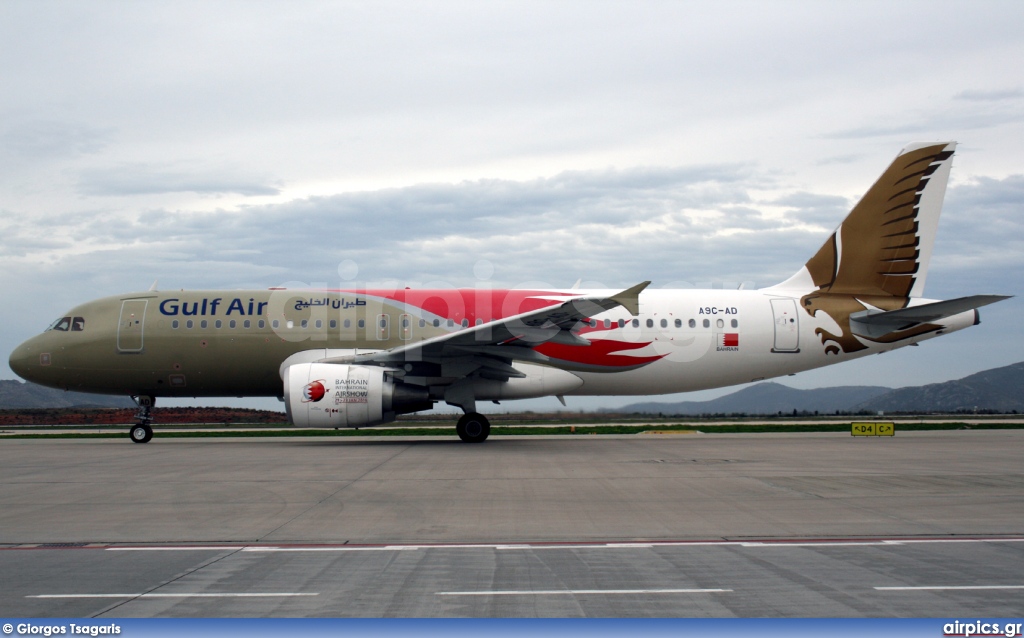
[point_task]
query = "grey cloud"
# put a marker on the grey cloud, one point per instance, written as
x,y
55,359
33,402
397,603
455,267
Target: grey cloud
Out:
x,y
559,228
669,225
47,139
143,179
838,159
929,123
1003,195
989,96
980,243
814,208
967,111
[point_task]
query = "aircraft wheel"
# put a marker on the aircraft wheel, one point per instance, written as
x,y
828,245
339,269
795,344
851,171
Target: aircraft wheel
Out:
x,y
473,428
141,433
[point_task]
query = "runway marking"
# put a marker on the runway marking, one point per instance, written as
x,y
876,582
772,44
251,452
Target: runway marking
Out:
x,y
343,548
949,587
197,548
929,541
580,546
181,595
564,592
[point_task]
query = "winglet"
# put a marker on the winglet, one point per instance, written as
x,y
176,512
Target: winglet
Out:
x,y
630,298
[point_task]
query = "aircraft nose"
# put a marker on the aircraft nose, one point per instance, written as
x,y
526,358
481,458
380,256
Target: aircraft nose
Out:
x,y
23,360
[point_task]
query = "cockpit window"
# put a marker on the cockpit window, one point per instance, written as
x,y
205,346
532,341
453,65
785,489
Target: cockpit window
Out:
x,y
61,324
64,324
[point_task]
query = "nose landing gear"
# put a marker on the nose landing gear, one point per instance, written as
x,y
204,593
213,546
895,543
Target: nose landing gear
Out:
x,y
142,431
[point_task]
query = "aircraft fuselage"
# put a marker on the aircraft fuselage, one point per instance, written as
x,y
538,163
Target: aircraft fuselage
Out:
x,y
232,343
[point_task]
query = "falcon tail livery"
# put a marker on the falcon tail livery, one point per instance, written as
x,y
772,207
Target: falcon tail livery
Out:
x,y
357,358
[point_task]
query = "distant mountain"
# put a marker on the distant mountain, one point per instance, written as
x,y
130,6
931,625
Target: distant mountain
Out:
x,y
996,390
768,398
19,395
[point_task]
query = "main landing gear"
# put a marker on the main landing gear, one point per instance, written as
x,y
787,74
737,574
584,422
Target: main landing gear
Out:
x,y
473,427
142,431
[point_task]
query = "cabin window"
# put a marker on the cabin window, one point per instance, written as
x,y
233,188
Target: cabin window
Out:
x,y
289,324
204,323
479,322
650,323
437,323
234,324
304,323
189,323
465,323
217,324
451,323
607,323
679,323
405,322
664,323
348,323
636,323
707,323
276,324
720,323
423,323
362,323
262,323
174,324
734,323
693,323
622,323
334,323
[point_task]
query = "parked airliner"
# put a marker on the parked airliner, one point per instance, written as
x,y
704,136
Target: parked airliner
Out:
x,y
355,358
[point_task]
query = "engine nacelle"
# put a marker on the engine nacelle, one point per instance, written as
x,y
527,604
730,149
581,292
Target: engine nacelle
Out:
x,y
325,395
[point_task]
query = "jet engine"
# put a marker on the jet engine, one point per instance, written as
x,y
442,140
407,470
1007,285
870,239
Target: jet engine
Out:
x,y
325,395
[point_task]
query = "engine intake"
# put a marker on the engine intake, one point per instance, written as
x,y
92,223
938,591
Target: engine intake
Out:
x,y
325,395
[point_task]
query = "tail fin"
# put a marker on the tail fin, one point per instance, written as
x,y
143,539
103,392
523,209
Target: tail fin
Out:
x,y
883,247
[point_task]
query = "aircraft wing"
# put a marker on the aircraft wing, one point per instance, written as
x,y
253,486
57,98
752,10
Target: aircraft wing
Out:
x,y
878,323
494,345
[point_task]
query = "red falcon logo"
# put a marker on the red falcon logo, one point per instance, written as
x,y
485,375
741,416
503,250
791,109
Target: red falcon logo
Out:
x,y
314,391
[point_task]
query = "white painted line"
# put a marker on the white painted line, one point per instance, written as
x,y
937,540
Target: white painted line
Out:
x,y
575,546
382,548
949,587
884,543
573,592
958,540
186,548
181,595
822,544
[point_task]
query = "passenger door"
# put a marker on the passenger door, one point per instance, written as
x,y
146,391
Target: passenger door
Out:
x,y
787,326
130,325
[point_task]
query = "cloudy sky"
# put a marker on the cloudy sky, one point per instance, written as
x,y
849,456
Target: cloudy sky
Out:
x,y
222,145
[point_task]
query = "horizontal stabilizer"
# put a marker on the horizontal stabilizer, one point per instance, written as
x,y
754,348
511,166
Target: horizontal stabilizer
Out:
x,y
875,324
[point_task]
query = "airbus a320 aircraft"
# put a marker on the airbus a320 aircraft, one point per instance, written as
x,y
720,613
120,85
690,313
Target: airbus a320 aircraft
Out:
x,y
355,358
